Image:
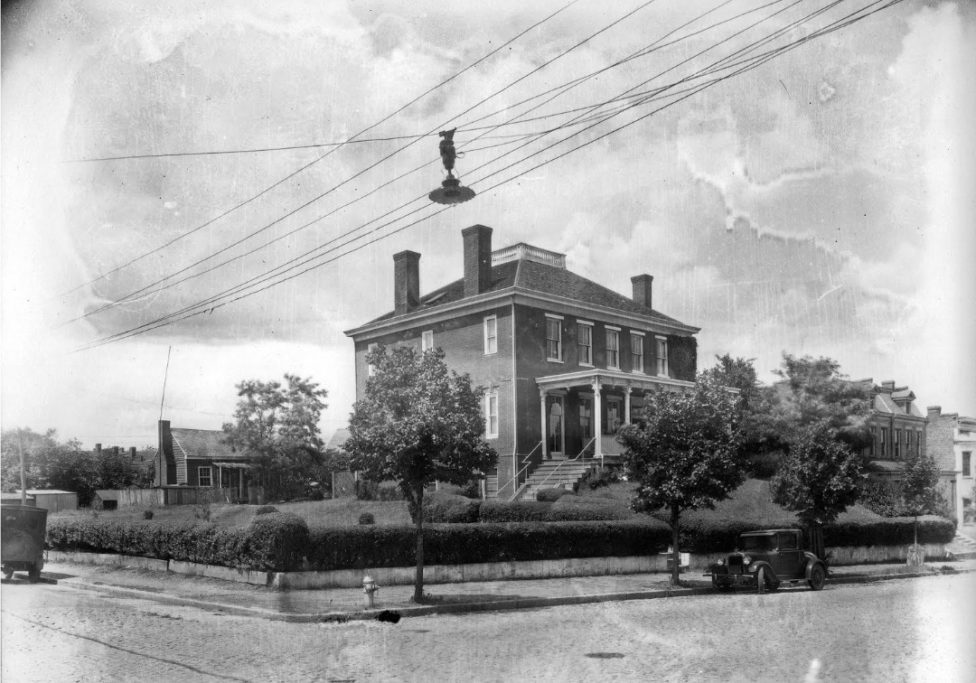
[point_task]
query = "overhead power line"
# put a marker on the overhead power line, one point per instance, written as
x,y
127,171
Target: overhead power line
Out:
x,y
240,294
327,154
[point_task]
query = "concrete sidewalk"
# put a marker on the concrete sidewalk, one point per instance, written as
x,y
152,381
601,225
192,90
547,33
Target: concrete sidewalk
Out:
x,y
348,603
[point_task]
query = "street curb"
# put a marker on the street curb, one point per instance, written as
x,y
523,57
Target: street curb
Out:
x,y
460,607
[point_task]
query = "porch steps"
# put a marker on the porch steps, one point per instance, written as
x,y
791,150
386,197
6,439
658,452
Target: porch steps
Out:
x,y
552,474
962,547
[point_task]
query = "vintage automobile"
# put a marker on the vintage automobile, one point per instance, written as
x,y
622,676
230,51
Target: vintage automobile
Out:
x,y
766,559
22,532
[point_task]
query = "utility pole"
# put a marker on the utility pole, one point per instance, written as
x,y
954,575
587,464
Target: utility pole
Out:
x,y
23,475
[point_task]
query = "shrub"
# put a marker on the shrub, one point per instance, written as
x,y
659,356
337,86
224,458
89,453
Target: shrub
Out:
x,y
265,509
147,514
600,476
447,508
515,511
550,495
366,518
371,547
388,491
366,490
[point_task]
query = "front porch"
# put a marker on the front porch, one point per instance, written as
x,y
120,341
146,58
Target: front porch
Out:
x,y
581,411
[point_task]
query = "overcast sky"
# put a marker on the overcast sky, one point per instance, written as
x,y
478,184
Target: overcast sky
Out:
x,y
818,204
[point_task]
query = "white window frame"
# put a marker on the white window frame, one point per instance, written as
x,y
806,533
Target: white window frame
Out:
x,y
580,325
209,470
661,344
491,414
491,336
613,333
370,368
426,340
634,356
558,320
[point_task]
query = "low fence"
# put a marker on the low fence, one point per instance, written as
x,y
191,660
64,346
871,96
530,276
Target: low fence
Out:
x,y
180,495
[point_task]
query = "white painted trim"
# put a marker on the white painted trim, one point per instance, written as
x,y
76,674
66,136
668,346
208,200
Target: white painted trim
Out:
x,y
584,322
612,327
557,317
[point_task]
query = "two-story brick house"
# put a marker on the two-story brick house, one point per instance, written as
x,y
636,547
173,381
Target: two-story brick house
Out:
x,y
563,360
898,429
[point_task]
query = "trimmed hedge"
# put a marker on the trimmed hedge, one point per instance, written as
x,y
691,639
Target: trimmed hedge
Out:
x,y
550,495
449,508
700,536
272,542
372,547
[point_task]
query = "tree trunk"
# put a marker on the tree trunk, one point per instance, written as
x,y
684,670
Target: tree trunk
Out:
x,y
675,552
418,584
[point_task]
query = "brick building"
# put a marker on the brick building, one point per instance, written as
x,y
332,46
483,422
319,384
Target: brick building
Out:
x,y
952,442
564,361
898,428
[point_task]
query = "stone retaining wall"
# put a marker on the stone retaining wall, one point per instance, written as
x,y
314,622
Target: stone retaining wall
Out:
x,y
487,571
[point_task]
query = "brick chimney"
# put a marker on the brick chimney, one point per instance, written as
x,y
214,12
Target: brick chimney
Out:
x,y
132,452
477,259
406,281
98,449
643,285
934,412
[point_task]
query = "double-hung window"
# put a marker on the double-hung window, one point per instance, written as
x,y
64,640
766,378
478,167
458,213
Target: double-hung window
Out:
x,y
491,334
427,340
584,342
204,476
613,347
491,415
662,356
554,337
967,463
637,351
370,368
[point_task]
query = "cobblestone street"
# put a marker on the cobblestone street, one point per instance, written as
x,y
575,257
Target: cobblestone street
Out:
x,y
903,630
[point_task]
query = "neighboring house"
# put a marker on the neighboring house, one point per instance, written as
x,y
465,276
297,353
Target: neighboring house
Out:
x,y
200,458
563,360
952,442
898,430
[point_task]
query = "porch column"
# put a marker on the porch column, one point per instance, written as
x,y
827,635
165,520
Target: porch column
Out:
x,y
597,420
542,412
627,405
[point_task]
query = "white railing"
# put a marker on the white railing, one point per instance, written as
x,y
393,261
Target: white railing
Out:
x,y
573,459
526,463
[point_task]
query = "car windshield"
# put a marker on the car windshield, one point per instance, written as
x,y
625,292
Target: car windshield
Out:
x,y
757,542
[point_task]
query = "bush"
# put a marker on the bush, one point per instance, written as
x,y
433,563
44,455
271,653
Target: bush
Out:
x,y
265,509
516,511
147,514
366,518
372,547
550,495
599,476
447,508
272,542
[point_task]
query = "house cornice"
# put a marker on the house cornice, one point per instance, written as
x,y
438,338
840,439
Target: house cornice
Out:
x,y
520,296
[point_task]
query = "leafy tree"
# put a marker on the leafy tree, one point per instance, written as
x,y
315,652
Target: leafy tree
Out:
x,y
417,423
684,452
49,463
920,488
760,453
813,391
278,426
820,478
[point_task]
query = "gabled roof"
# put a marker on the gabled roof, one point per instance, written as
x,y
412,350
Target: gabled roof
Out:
x,y
538,278
206,444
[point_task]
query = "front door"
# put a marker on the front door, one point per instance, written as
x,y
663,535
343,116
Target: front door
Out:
x,y
556,431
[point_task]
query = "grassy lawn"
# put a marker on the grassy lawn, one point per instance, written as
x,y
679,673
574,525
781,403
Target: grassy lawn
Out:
x,y
751,502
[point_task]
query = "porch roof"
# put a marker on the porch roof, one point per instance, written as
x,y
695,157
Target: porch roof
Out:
x,y
607,377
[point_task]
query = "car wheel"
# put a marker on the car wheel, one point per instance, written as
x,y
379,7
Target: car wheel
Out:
x,y
817,577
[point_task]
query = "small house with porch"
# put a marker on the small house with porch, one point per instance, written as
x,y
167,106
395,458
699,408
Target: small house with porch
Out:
x,y
200,458
563,360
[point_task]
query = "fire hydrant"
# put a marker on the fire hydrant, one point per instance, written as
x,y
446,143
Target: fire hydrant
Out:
x,y
369,588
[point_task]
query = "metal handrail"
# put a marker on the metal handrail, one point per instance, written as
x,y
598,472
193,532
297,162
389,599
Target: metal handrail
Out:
x,y
573,459
526,462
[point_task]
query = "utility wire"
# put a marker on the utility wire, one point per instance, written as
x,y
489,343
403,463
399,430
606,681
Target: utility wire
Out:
x,y
756,63
327,154
137,292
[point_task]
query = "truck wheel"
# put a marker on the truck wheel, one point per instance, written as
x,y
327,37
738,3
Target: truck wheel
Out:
x,y
34,573
817,577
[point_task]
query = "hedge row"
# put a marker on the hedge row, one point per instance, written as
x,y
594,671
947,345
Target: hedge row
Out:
x,y
713,537
451,509
394,546
276,541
